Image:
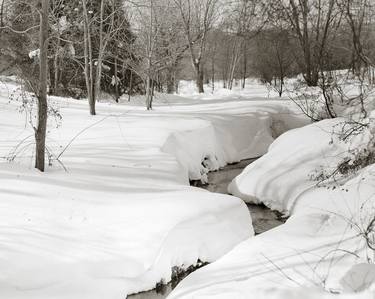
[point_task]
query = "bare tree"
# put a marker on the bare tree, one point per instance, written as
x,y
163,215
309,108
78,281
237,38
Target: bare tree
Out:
x,y
272,60
146,16
359,15
249,18
314,23
159,45
92,77
152,36
240,22
198,18
24,30
104,38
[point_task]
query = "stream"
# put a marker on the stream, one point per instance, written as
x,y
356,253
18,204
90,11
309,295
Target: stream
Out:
x,y
263,219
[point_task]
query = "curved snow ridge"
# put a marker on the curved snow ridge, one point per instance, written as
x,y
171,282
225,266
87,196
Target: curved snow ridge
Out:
x,y
116,222
320,251
294,166
112,225
215,142
224,139
312,255
114,247
243,130
184,245
286,172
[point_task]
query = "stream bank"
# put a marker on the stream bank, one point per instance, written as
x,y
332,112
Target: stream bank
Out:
x,y
263,219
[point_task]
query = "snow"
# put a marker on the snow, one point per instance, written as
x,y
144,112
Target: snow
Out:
x,y
281,176
122,213
291,168
359,278
290,261
321,250
34,54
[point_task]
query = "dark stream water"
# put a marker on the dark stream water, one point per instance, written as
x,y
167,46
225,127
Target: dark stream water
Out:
x,y
263,218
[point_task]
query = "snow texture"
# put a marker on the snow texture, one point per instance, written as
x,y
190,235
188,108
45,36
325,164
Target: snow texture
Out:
x,y
122,213
321,250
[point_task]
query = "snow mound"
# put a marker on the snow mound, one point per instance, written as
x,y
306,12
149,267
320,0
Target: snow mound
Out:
x,y
291,261
219,142
322,250
278,178
297,163
122,214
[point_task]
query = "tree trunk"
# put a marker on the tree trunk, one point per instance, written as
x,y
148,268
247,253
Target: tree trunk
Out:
x,y
148,93
171,77
281,89
213,73
89,72
234,62
130,85
40,131
98,77
176,83
2,13
301,13
244,70
199,76
170,81
117,94
56,67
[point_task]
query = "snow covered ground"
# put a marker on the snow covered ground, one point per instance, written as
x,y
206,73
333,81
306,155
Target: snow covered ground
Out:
x,y
321,250
115,212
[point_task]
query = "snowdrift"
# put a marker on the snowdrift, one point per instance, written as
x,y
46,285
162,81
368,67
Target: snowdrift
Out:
x,y
122,214
322,250
286,171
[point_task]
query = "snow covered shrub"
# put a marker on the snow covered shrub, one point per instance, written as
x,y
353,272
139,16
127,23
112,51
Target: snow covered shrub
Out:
x,y
361,159
357,140
308,99
338,94
350,97
27,105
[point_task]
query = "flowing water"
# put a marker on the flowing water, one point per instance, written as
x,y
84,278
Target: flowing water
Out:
x,y
263,218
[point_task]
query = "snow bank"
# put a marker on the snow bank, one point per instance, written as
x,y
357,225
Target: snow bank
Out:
x,y
295,165
285,172
321,250
221,141
122,214
290,261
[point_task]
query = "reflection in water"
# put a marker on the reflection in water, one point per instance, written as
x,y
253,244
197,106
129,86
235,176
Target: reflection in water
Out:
x,y
263,218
